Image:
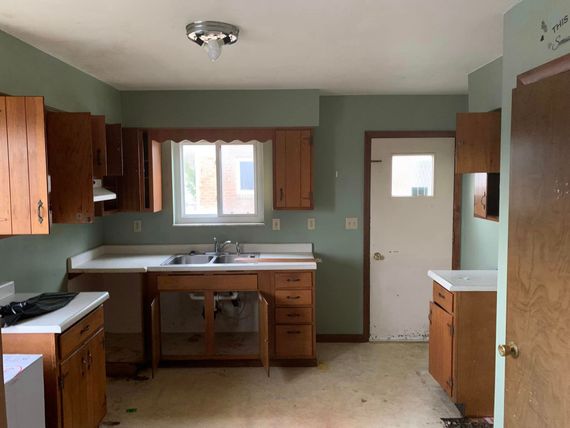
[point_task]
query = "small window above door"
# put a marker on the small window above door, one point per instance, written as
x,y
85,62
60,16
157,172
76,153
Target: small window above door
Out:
x,y
412,175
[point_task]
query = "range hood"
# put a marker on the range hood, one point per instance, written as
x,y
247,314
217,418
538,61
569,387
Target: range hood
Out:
x,y
100,193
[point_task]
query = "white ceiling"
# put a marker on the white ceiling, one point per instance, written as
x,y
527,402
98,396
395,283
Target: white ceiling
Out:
x,y
337,46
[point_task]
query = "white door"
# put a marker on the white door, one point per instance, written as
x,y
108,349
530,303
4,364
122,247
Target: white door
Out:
x,y
411,225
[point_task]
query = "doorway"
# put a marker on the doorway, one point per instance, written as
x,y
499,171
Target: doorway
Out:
x,y
410,229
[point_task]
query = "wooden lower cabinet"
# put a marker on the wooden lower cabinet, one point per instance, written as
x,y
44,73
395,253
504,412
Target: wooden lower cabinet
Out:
x,y
462,347
74,371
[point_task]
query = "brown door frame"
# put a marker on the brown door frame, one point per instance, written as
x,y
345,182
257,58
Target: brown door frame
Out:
x,y
368,137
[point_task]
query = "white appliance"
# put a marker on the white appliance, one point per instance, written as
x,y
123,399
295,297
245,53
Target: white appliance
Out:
x,y
24,386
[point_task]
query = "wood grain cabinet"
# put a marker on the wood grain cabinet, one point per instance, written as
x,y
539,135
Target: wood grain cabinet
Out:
x,y
293,169
23,169
478,142
107,147
462,347
70,166
140,188
74,370
486,199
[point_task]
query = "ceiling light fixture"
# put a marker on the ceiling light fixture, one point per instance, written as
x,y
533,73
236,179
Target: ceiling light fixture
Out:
x,y
212,35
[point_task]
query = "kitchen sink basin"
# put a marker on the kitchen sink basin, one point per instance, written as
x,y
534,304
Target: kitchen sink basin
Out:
x,y
231,258
189,259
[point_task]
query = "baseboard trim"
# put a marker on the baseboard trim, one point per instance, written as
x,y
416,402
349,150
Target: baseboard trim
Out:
x,y
341,338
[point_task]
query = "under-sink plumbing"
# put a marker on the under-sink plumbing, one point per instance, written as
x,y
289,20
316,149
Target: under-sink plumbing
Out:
x,y
232,296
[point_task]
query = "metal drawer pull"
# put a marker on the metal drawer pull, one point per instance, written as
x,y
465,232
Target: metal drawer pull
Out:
x,y
293,279
293,315
293,297
40,211
293,331
84,329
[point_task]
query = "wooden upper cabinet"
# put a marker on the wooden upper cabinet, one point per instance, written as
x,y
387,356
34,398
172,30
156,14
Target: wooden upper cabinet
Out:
x,y
140,187
23,171
70,165
99,146
478,142
293,169
114,139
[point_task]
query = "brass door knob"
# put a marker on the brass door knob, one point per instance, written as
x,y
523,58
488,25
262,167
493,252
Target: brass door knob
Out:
x,y
378,256
510,350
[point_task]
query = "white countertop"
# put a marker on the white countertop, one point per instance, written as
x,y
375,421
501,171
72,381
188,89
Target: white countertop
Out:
x,y
465,280
16,364
54,322
149,258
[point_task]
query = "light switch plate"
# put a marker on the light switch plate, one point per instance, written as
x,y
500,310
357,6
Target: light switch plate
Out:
x,y
311,224
276,224
137,226
351,223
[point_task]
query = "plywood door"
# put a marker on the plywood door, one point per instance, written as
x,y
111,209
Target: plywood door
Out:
x,y
155,344
279,169
480,198
538,284
74,390
411,236
5,202
478,138
264,332
99,146
131,195
441,347
96,379
114,140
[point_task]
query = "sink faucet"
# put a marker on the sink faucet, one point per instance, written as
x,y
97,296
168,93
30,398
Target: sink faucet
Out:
x,y
218,248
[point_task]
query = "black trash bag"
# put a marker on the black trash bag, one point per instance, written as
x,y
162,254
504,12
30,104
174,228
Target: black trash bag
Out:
x,y
14,312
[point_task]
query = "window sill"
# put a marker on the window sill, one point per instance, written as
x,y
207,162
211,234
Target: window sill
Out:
x,y
216,224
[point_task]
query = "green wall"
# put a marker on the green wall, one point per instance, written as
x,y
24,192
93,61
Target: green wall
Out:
x,y
339,146
39,262
480,238
522,51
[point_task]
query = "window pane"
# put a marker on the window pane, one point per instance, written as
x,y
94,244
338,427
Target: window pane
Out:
x,y
238,179
412,175
200,189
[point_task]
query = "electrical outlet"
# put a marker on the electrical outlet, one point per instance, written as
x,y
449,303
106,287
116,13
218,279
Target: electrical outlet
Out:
x,y
137,226
351,223
276,224
311,223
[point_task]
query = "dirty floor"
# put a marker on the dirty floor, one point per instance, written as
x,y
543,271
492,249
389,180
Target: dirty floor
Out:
x,y
355,385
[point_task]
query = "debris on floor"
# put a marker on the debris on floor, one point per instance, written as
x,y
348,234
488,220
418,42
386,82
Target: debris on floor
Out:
x,y
467,422
132,410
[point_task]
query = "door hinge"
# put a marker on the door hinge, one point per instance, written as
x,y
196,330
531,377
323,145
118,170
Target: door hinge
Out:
x,y
61,382
451,329
449,382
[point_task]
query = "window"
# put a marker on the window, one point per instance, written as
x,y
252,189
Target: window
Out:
x,y
412,175
217,182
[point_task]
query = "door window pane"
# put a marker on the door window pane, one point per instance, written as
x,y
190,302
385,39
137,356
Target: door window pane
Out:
x,y
238,179
412,175
200,181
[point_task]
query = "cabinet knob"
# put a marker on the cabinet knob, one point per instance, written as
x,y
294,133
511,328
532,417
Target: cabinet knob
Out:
x,y
509,350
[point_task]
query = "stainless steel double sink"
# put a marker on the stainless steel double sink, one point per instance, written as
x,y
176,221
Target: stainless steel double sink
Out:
x,y
204,259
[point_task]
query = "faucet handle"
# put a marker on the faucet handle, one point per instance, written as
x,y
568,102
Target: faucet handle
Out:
x,y
238,248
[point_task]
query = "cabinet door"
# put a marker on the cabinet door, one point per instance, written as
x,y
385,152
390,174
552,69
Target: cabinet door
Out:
x,y
74,390
96,379
5,203
114,139
155,334
478,142
70,165
292,165
480,198
130,183
264,332
441,347
99,146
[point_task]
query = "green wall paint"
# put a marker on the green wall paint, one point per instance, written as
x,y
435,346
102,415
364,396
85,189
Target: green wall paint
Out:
x,y
339,146
522,51
39,262
480,238
179,109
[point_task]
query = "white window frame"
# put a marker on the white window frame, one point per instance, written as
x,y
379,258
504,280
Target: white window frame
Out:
x,y
182,219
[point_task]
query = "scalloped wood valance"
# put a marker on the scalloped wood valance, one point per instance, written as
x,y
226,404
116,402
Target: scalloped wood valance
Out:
x,y
211,134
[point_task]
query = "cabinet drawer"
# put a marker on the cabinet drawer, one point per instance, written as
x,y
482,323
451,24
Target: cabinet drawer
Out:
x,y
443,297
293,297
293,280
208,282
78,334
293,315
294,340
